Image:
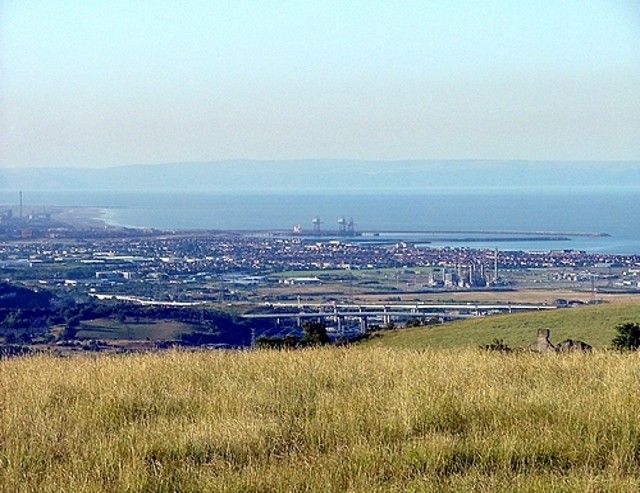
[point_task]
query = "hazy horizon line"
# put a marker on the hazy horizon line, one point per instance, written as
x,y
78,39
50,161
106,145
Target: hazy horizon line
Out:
x,y
333,160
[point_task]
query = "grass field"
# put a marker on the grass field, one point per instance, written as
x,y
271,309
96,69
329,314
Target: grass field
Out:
x,y
535,296
155,330
336,419
592,324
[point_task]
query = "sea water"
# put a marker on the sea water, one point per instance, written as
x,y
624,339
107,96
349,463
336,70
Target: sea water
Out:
x,y
615,211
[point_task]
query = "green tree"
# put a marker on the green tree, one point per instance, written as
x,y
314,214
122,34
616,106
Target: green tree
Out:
x,y
315,333
628,336
71,329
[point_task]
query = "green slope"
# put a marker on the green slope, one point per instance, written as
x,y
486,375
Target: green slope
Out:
x,y
592,324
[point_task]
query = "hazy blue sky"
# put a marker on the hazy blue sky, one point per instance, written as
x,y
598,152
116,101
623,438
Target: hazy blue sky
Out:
x,y
87,83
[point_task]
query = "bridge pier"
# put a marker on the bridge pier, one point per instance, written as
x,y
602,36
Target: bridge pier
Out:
x,y
363,325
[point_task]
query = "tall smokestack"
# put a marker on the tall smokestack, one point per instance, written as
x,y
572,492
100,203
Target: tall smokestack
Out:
x,y
20,204
495,267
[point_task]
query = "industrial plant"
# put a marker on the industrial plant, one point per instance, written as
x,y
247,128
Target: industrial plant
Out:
x,y
346,227
19,224
472,275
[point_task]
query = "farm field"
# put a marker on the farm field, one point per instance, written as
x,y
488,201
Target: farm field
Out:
x,y
333,419
534,296
151,329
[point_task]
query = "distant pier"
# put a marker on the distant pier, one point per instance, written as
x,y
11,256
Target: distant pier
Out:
x,y
485,232
431,235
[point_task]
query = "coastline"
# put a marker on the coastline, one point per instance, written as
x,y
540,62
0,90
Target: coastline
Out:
x,y
118,216
84,217
107,217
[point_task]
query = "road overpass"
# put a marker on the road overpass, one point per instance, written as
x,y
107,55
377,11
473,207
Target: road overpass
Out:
x,y
363,312
413,307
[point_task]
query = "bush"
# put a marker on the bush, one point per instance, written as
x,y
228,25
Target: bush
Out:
x,y
315,333
628,337
497,345
287,342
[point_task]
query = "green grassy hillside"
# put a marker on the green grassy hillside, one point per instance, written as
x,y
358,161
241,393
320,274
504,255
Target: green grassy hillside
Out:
x,y
592,324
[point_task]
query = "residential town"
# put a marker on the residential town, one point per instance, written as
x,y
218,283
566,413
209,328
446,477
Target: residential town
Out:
x,y
219,266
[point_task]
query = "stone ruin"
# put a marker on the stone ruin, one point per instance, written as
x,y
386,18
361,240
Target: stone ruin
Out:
x,y
570,345
543,344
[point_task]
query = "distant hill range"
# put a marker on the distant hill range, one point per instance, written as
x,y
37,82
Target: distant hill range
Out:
x,y
338,175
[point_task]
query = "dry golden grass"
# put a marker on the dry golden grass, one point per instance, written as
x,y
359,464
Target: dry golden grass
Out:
x,y
350,419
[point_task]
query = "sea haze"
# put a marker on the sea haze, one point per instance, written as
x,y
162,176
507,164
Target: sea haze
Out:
x,y
613,210
336,175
